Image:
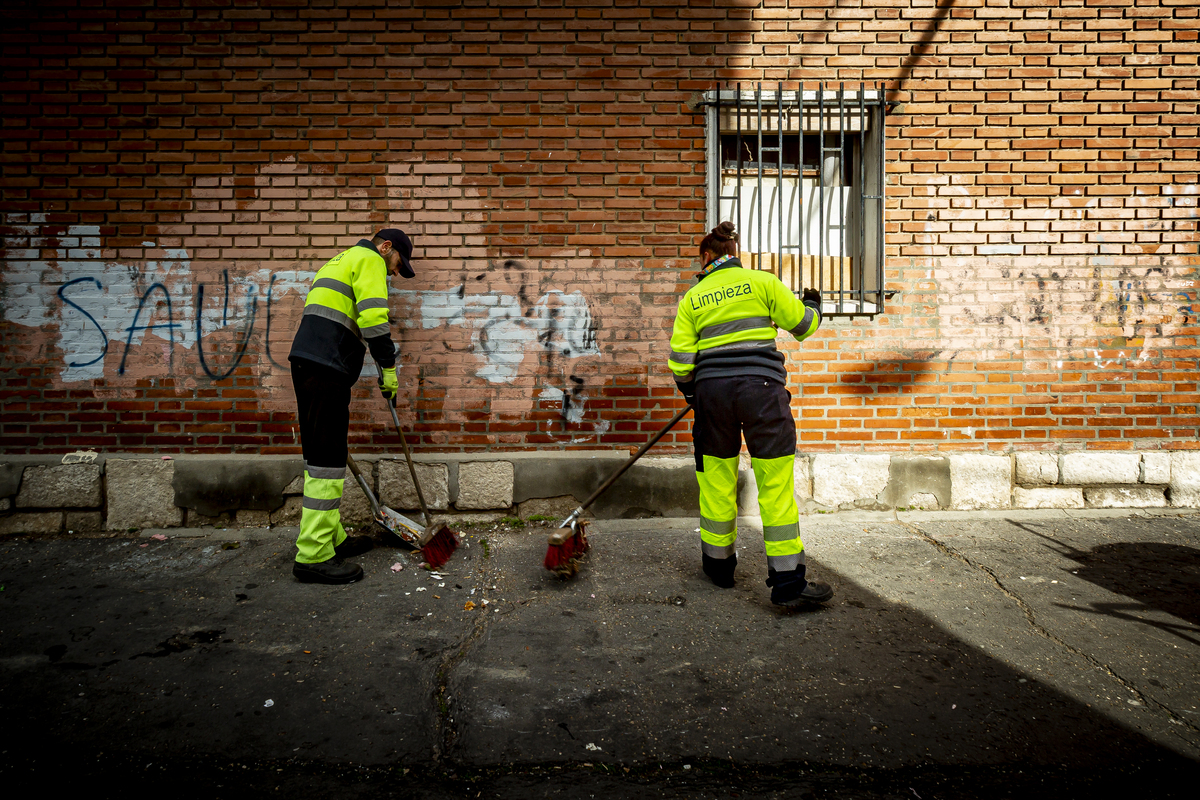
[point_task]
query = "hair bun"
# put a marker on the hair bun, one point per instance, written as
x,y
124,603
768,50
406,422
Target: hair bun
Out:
x,y
724,232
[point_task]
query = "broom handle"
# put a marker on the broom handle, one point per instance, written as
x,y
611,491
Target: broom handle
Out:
x,y
408,457
641,451
362,483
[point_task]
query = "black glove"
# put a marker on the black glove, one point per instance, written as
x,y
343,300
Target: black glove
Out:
x,y
688,392
811,297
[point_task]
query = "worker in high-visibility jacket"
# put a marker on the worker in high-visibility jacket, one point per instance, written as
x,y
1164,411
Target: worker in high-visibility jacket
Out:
x,y
725,362
345,313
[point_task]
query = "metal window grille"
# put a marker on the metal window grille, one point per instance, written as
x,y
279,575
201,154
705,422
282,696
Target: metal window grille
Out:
x,y
801,175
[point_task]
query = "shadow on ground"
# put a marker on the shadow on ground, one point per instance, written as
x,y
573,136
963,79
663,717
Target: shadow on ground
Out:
x,y
149,668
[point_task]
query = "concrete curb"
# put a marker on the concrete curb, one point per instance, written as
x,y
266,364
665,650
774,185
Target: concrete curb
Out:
x,y
95,492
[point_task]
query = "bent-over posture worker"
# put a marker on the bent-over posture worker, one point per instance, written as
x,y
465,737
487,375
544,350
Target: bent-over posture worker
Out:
x,y
725,362
346,306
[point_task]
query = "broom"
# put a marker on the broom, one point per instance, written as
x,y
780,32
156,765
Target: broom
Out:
x,y
570,542
438,543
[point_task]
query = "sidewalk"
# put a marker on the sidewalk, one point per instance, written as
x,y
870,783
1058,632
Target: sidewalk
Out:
x,y
969,654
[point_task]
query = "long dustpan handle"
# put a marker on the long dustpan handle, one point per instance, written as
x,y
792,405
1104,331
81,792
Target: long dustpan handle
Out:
x,y
641,452
408,457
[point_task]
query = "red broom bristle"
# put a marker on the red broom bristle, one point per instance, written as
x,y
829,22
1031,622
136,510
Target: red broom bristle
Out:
x,y
439,549
557,555
562,558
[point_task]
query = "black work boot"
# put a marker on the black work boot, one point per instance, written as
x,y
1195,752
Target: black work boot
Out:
x,y
333,571
790,589
353,546
720,569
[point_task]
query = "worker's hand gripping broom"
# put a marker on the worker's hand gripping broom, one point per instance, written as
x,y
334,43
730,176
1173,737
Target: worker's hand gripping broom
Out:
x,y
569,541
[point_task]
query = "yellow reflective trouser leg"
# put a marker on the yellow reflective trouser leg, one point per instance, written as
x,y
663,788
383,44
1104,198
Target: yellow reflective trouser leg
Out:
x,y
780,517
320,518
718,506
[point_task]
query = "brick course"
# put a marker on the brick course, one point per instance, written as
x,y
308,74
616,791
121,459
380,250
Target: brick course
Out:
x,y
171,177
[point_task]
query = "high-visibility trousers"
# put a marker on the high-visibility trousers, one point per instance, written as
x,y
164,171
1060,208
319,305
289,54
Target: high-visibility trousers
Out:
x,y
727,409
323,404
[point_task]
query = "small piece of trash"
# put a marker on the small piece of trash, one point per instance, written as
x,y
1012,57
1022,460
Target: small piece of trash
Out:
x,y
469,605
420,588
80,457
147,544
158,537
268,704
953,706
687,766
397,567
591,746
166,458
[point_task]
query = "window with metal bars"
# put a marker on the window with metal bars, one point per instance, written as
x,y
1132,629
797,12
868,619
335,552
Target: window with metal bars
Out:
x,y
801,175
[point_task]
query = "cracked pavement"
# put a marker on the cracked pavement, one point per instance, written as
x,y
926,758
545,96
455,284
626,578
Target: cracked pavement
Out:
x,y
962,655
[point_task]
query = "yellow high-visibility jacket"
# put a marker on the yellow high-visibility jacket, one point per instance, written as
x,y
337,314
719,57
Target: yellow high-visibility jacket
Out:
x,y
346,305
724,325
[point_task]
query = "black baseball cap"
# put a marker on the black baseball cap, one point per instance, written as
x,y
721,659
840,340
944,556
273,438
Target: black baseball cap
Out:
x,y
403,245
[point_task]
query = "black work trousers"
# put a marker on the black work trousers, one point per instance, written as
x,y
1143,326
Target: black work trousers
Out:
x,y
749,405
323,408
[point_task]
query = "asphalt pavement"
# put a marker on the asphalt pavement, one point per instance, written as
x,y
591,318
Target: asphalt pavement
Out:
x,y
987,654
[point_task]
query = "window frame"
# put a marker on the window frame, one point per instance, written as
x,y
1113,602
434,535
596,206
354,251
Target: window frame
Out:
x,y
860,113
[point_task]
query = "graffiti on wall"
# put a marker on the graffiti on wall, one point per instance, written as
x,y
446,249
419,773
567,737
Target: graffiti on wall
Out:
x,y
99,312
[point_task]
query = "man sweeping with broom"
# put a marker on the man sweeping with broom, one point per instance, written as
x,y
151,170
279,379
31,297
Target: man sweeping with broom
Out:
x,y
346,305
725,362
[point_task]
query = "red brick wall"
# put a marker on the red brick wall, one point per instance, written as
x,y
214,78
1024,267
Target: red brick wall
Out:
x,y
1041,224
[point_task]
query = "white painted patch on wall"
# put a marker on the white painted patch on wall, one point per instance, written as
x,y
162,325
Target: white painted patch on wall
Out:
x,y
501,333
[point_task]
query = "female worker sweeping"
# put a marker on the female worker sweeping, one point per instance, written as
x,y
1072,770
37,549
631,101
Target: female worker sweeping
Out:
x,y
725,362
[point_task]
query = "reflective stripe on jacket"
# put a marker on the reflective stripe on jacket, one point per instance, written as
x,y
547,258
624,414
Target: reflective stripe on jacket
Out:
x,y
346,305
724,324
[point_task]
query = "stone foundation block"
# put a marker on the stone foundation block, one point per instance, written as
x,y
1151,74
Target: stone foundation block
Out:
x,y
356,509
1156,468
297,484
980,481
556,507
5,503
848,479
33,522
396,486
1185,480
253,518
223,520
802,474
1037,468
83,522
917,482
1089,469
140,494
65,486
485,484
289,514
1125,497
1048,497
